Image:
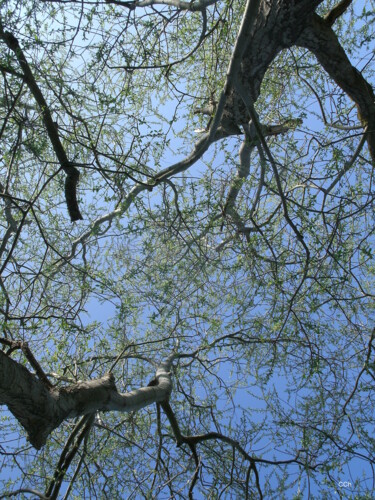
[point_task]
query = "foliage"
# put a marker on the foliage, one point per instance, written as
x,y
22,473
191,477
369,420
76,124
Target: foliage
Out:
x,y
275,338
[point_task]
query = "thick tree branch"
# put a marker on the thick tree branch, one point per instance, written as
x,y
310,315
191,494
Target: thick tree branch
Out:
x,y
277,26
13,345
337,11
28,399
322,41
16,493
72,174
249,143
199,5
40,409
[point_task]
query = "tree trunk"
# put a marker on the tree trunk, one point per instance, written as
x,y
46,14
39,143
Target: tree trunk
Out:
x,y
282,24
278,25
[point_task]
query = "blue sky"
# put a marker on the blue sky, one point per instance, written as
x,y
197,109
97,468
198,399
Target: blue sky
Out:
x,y
103,312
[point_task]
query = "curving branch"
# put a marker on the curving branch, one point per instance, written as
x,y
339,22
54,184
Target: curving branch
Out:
x,y
337,11
321,40
41,409
194,440
250,141
72,174
8,494
193,6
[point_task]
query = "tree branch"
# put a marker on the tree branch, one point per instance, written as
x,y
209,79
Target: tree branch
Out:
x,y
337,11
72,174
79,433
322,41
40,410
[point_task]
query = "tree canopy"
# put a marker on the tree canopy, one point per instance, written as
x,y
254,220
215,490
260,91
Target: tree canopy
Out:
x,y
187,249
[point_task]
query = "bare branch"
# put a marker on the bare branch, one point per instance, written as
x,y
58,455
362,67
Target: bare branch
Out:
x,y
319,37
337,11
72,174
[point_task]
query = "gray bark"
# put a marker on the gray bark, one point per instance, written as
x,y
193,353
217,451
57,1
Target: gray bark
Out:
x,y
41,409
278,25
281,24
322,41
